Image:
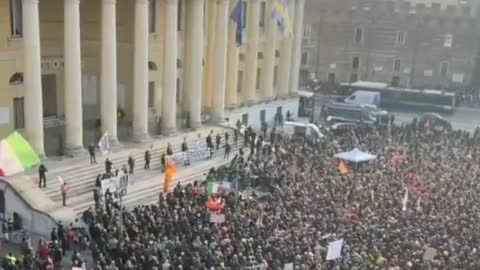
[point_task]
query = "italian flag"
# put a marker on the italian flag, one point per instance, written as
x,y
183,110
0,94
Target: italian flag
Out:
x,y
214,187
16,155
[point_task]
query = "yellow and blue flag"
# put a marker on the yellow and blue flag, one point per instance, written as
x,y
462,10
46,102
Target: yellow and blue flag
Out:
x,y
238,16
280,15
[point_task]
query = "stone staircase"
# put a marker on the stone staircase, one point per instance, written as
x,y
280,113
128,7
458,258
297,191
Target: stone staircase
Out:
x,y
81,176
147,191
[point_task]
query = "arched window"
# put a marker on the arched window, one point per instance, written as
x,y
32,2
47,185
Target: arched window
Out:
x,y
152,65
16,78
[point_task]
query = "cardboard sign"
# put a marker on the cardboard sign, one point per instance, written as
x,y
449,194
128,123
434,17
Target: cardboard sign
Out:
x,y
217,218
334,250
429,254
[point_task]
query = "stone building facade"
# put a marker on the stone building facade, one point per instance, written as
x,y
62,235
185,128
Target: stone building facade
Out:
x,y
71,70
424,44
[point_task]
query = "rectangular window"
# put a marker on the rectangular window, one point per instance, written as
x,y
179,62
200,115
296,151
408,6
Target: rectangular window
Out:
x,y
263,8
152,16
358,35
401,38
259,78
245,11
448,40
19,113
275,76
16,28
395,81
179,15
396,65
466,12
240,81
307,31
444,69
353,77
151,94
436,8
179,92
304,58
356,62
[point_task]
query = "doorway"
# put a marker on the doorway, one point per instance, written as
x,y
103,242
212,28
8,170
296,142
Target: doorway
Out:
x,y
331,78
263,117
49,97
245,119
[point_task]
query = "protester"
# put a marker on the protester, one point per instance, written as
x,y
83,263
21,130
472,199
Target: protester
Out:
x,y
64,191
42,170
147,160
131,164
108,166
184,149
91,151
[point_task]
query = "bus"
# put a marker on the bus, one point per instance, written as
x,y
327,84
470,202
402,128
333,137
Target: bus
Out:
x,y
398,98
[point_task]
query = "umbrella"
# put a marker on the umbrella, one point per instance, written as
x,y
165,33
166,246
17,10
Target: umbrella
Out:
x,y
355,156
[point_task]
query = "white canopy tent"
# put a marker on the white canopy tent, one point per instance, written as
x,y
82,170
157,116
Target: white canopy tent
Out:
x,y
355,156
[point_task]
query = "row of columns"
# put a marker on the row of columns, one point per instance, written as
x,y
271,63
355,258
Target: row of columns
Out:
x,y
224,58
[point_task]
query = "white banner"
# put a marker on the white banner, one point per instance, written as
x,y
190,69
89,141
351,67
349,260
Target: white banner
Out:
x,y
104,144
191,154
217,218
115,184
334,250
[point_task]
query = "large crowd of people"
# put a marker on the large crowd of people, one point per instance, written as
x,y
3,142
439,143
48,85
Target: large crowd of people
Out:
x,y
307,203
414,207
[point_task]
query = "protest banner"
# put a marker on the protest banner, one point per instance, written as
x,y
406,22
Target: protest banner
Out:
x,y
115,184
288,266
334,250
217,218
197,152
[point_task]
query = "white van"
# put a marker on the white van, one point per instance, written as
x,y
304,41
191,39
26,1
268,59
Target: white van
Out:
x,y
364,98
301,129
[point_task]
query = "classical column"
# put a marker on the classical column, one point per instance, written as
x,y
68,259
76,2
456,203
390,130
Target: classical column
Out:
x,y
209,82
221,37
253,15
232,62
108,80
32,76
194,47
297,45
269,54
285,60
169,92
140,72
73,78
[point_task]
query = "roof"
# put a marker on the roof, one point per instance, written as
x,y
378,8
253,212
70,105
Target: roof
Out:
x,y
375,85
304,93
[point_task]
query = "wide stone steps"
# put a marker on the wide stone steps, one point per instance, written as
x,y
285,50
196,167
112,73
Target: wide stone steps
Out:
x,y
81,179
147,189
